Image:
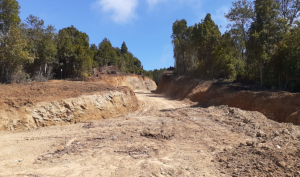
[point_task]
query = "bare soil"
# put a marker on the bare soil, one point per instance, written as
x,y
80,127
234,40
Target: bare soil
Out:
x,y
164,137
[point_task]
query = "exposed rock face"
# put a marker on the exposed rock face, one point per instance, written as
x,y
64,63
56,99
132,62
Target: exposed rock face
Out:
x,y
71,110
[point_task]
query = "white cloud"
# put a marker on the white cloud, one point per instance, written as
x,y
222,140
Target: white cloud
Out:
x,y
219,17
120,11
194,3
153,2
124,11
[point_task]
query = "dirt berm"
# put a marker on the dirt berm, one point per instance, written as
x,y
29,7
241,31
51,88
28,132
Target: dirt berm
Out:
x,y
23,107
278,106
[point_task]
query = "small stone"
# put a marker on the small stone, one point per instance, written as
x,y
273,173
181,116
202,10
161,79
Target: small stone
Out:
x,y
276,133
223,159
281,164
285,131
279,147
260,134
249,143
60,148
241,124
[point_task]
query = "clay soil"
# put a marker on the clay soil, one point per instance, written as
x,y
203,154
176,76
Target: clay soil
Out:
x,y
164,137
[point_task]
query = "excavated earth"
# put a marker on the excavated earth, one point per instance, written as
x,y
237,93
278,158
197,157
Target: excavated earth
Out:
x,y
164,137
276,105
28,106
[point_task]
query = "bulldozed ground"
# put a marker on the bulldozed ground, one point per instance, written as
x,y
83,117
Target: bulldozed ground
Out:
x,y
164,137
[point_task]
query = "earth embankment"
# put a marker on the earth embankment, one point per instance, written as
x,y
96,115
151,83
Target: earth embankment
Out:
x,y
134,82
278,106
31,105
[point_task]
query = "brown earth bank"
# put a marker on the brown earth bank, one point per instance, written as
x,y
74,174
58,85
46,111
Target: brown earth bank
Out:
x,y
32,105
278,106
130,80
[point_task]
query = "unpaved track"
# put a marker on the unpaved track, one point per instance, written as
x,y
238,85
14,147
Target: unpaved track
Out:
x,y
164,138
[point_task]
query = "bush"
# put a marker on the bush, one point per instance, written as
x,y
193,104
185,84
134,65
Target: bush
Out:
x,y
41,77
19,76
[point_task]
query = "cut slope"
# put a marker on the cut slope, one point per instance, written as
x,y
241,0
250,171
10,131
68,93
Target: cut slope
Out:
x,y
32,105
278,106
132,81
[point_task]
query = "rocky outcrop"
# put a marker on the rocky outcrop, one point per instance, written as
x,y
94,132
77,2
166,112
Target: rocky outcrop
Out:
x,y
71,110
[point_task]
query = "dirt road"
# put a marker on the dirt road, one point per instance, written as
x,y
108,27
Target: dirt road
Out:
x,y
164,138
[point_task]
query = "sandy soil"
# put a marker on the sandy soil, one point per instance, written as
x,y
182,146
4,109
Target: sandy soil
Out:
x,y
164,138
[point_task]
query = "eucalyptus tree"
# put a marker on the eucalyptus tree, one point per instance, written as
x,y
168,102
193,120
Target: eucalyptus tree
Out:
x,y
12,45
241,16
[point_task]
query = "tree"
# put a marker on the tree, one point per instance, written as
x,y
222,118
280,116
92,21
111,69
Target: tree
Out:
x,y
179,41
9,15
12,54
208,34
12,45
226,62
124,48
74,52
47,49
35,31
106,54
289,9
265,33
240,16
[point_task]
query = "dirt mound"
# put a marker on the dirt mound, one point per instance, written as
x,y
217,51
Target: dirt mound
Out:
x,y
278,106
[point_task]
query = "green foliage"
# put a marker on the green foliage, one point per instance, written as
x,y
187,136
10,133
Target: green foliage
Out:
x,y
12,53
30,47
105,54
241,16
73,52
156,74
124,48
261,46
194,46
9,15
124,60
225,60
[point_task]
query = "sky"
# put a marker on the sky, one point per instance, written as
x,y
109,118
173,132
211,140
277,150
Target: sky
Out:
x,y
144,25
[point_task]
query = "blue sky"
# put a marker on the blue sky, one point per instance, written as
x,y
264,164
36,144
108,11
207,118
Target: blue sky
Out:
x,y
145,25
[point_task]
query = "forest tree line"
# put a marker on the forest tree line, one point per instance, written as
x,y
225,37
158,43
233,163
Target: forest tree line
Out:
x,y
261,46
31,50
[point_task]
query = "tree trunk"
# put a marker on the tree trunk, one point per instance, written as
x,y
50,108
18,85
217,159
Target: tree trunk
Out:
x,y
261,76
45,68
